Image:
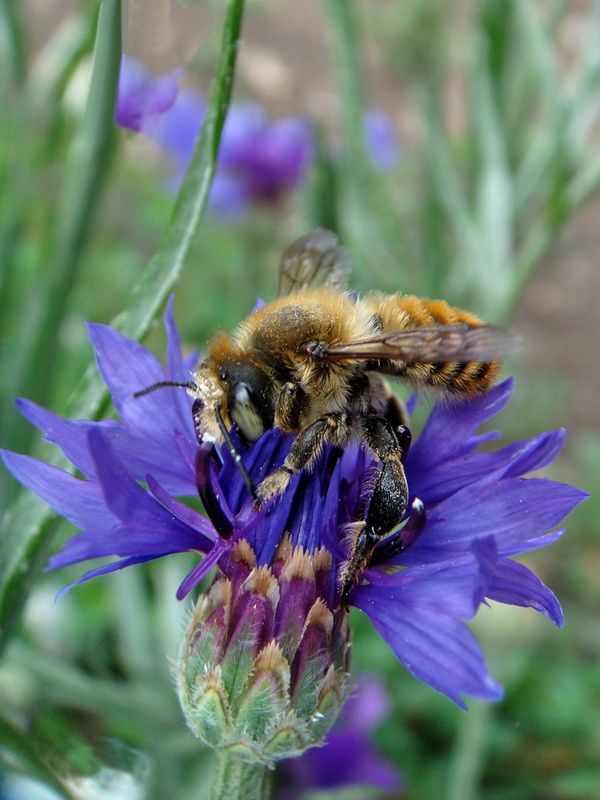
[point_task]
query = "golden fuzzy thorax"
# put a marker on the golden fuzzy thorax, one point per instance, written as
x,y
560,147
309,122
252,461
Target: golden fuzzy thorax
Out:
x,y
278,334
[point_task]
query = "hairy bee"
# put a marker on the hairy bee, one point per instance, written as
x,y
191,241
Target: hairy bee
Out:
x,y
311,362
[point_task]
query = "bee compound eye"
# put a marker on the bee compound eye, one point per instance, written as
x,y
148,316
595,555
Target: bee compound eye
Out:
x,y
245,412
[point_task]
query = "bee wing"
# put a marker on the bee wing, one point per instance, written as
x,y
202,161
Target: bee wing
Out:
x,y
431,344
315,259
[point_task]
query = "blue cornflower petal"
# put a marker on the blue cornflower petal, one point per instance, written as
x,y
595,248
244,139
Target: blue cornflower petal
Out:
x,y
382,144
420,613
143,97
77,500
449,433
514,510
434,646
516,585
455,473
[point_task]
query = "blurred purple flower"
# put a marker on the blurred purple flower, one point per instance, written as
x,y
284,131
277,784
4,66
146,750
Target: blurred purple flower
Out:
x,y
143,97
479,509
348,757
381,140
259,161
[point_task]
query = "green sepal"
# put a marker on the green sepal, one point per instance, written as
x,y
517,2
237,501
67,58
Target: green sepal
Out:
x,y
291,739
208,712
335,689
266,695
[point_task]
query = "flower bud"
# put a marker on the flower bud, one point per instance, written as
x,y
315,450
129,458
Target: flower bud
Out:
x,y
264,669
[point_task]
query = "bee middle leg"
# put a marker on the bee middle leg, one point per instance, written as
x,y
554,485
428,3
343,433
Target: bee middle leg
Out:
x,y
388,501
328,429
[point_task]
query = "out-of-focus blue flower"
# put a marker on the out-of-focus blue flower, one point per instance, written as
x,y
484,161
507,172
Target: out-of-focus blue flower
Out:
x,y
348,757
259,161
480,510
381,140
143,98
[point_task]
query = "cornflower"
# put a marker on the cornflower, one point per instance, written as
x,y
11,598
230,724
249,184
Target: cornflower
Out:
x,y
265,667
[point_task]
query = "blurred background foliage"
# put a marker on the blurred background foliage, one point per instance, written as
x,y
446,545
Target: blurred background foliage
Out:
x,y
492,204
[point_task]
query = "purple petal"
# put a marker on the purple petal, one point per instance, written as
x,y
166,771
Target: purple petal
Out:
x,y
450,476
437,649
133,505
128,522
381,141
448,429
515,584
202,569
178,364
178,129
105,570
451,587
134,448
419,613
143,97
514,510
163,417
77,500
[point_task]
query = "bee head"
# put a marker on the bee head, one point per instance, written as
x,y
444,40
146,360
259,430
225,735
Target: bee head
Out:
x,y
250,398
243,392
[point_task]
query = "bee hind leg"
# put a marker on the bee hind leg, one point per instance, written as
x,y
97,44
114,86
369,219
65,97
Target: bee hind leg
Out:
x,y
404,538
329,429
388,501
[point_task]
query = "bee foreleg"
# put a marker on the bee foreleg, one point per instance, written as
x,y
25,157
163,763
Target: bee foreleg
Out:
x,y
329,429
388,501
291,403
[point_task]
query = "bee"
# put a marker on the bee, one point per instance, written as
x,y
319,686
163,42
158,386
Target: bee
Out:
x,y
314,363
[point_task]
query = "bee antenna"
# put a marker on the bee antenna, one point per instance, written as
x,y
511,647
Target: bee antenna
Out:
x,y
234,453
163,384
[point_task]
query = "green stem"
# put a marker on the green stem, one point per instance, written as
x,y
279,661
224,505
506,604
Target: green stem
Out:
x,y
165,267
88,169
468,759
354,169
235,780
11,20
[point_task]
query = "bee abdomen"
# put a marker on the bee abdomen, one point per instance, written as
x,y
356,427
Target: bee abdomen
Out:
x,y
398,312
455,377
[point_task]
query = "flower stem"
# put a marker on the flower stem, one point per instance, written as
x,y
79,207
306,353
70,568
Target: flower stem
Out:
x,y
233,779
88,167
468,757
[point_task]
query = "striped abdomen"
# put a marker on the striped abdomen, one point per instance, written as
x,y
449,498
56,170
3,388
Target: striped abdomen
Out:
x,y
456,376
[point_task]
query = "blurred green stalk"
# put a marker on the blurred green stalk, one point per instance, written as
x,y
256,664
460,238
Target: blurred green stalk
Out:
x,y
10,20
235,780
87,171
